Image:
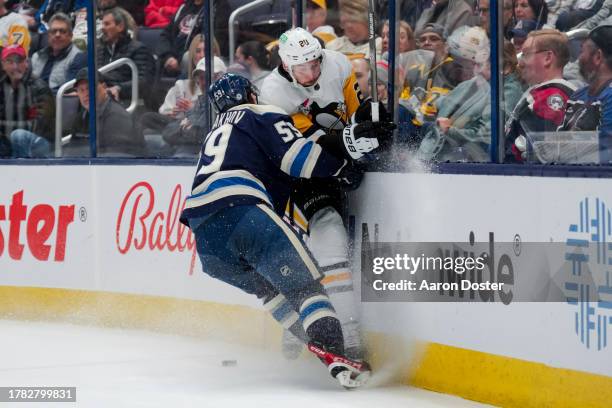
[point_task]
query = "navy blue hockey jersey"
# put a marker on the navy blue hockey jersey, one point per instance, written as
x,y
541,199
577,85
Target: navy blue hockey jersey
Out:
x,y
249,157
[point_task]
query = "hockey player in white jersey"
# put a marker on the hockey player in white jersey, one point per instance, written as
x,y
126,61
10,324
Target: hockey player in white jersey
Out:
x,y
242,183
320,92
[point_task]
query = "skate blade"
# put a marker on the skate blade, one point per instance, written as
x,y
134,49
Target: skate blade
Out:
x,y
292,352
347,379
292,347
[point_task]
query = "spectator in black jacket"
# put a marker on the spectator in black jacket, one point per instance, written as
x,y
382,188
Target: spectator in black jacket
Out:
x,y
116,44
116,131
26,108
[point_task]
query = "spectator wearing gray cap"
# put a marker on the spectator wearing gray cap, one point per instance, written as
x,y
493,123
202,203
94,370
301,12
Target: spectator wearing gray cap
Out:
x,y
116,133
453,62
432,37
462,130
590,108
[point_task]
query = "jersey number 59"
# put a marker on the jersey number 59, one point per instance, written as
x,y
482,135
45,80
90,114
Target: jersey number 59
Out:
x,y
215,146
286,128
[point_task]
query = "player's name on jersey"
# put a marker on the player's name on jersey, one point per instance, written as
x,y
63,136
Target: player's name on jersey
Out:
x,y
426,286
231,117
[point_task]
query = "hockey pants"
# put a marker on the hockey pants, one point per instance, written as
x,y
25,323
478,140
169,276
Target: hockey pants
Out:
x,y
252,248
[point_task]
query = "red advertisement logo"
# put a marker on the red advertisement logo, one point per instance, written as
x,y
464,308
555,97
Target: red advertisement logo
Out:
x,y
39,222
140,227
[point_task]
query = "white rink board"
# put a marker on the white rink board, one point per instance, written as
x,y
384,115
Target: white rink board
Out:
x,y
409,207
99,252
438,208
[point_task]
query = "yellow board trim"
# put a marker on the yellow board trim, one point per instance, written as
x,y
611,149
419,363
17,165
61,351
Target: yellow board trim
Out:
x,y
232,323
470,374
506,381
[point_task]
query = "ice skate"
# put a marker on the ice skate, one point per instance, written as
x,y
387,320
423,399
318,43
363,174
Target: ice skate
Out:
x,y
292,346
349,373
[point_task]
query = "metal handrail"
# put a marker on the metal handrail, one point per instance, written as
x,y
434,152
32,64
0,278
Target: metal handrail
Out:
x,y
232,20
578,32
68,85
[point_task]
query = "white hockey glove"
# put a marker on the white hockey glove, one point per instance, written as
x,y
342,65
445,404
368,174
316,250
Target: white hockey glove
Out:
x,y
362,138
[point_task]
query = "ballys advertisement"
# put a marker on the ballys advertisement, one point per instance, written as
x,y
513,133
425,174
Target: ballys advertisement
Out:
x,y
145,248
147,223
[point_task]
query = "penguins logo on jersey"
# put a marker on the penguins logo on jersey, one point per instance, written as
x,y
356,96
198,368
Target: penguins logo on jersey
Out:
x,y
331,116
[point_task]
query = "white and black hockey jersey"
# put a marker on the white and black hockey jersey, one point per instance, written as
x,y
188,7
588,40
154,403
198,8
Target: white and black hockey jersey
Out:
x,y
328,104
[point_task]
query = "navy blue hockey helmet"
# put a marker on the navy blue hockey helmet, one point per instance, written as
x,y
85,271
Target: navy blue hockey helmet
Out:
x,y
230,90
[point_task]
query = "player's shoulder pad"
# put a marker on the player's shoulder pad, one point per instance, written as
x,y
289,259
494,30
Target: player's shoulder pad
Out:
x,y
260,109
338,62
276,90
272,81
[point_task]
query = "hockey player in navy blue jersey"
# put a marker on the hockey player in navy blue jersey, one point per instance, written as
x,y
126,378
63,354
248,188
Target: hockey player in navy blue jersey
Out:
x,y
241,186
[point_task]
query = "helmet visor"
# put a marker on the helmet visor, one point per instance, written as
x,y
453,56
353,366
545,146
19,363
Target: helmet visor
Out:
x,y
307,73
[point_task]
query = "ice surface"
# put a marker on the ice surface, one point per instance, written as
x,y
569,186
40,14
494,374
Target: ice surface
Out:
x,y
126,368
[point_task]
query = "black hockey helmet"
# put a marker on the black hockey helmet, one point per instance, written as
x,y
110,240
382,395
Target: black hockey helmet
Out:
x,y
230,90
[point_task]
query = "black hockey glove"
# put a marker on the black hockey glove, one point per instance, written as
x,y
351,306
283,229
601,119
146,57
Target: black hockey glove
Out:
x,y
350,177
364,112
362,138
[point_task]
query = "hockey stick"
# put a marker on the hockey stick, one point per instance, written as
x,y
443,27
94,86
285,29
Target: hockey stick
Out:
x,y
373,76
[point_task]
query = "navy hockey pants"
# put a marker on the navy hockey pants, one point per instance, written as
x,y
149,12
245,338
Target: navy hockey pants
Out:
x,y
252,248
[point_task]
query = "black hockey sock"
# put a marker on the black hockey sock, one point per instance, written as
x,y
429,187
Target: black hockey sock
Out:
x,y
326,333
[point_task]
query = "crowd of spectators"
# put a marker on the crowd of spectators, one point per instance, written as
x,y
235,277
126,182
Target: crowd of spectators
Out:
x,y
556,62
